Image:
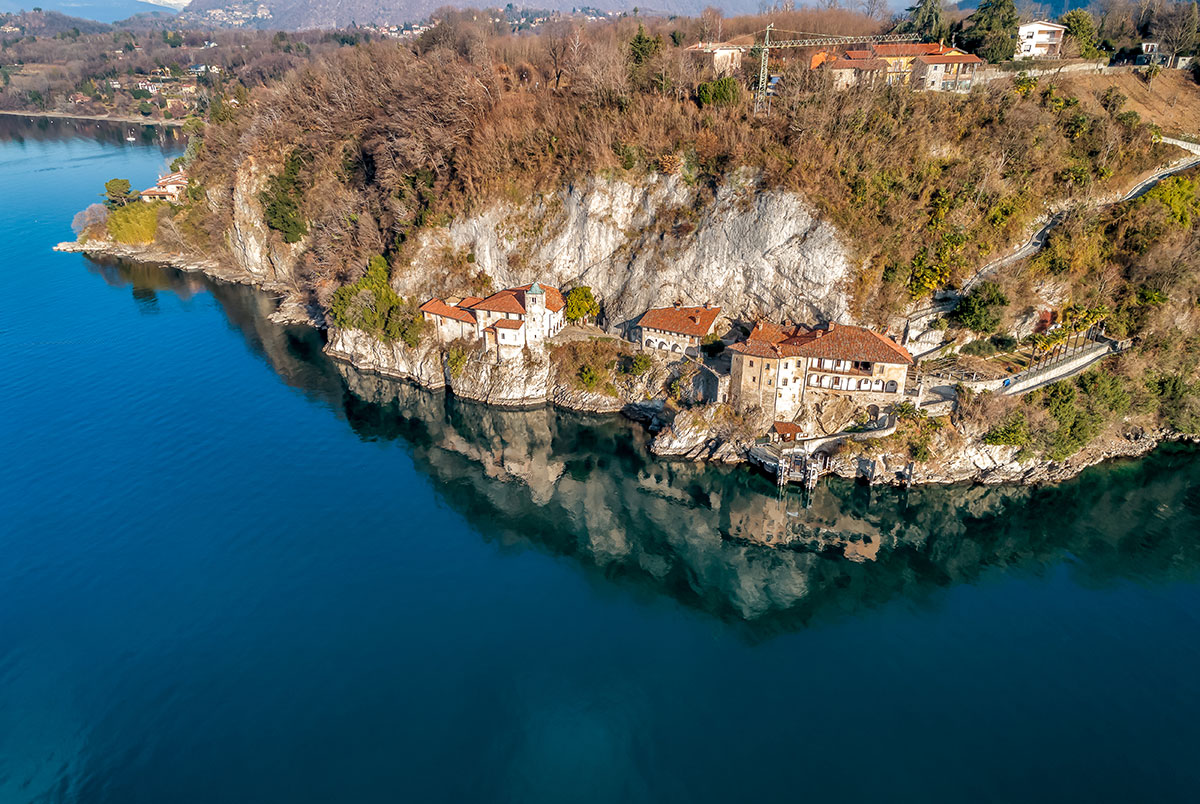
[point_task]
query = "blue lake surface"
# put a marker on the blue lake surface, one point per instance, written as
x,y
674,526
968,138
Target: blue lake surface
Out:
x,y
231,570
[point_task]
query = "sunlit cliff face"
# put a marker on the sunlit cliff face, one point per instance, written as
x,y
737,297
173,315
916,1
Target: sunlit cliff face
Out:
x,y
722,540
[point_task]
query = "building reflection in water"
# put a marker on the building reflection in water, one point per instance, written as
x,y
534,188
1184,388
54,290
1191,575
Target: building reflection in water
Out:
x,y
719,539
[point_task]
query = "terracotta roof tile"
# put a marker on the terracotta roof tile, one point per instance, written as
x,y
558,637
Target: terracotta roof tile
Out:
x,y
695,321
439,307
912,49
512,300
787,428
951,58
836,342
508,323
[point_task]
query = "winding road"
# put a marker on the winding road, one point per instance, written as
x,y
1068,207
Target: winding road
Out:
x,y
1035,243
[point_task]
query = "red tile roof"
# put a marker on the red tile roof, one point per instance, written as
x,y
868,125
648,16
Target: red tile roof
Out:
x,y
786,428
508,323
512,300
836,342
439,307
695,321
859,54
951,58
922,49
843,342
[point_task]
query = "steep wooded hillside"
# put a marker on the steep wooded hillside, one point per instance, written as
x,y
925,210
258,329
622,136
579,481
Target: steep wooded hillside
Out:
x,y
368,147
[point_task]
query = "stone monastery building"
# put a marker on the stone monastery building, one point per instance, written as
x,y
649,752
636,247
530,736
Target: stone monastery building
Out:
x,y
508,320
776,367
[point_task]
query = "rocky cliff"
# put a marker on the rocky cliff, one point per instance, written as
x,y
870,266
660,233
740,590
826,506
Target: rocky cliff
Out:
x,y
638,245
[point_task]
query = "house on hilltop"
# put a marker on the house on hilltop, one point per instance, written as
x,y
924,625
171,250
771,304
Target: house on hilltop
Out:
x,y
1040,40
776,367
928,66
676,329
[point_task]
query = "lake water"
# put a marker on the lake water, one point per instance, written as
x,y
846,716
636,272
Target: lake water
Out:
x,y
231,570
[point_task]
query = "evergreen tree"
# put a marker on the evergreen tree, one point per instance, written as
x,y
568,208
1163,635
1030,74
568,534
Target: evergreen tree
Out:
x,y
1081,29
927,19
993,32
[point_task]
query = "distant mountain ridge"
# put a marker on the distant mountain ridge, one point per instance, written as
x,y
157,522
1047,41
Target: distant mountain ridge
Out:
x,y
304,14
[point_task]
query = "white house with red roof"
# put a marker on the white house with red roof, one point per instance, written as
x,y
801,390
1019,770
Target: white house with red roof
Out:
x,y
510,319
170,187
777,367
676,329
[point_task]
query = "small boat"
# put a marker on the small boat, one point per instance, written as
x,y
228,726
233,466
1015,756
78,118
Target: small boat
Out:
x,y
129,137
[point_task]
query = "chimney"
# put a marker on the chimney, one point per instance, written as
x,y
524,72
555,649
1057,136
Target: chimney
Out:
x,y
677,304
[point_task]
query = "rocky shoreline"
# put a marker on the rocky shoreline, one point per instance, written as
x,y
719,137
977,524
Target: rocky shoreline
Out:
x,y
702,433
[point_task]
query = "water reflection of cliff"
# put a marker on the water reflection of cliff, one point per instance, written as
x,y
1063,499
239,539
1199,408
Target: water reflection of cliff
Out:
x,y
723,540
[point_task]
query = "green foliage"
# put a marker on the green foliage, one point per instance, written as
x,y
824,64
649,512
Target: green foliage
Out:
x,y
456,359
134,223
638,365
677,38
980,348
722,92
281,200
1025,84
1082,29
1013,430
371,305
940,324
140,94
993,32
581,304
145,108
1179,402
1179,195
643,47
118,193
979,311
927,19
589,377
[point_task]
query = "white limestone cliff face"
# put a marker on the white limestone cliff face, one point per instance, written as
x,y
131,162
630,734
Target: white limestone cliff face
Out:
x,y
422,365
265,258
754,252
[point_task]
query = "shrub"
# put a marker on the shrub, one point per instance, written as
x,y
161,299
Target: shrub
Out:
x,y
722,92
1013,430
1004,343
981,348
589,377
978,312
281,200
134,223
456,359
371,305
638,365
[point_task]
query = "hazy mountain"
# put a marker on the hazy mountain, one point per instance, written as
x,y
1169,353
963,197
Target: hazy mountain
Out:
x,y
102,10
301,14
49,23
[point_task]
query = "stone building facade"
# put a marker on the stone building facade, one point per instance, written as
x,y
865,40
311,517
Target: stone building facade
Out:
x,y
776,369
506,322
676,329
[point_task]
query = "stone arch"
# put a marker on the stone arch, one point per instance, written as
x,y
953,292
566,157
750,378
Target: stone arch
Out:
x,y
877,385
891,387
675,347
649,343
662,345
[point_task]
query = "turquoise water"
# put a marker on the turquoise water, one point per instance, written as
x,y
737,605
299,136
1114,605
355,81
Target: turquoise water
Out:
x,y
231,570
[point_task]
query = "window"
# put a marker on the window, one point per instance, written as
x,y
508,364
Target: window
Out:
x,y
785,365
754,379
783,382
751,364
770,381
